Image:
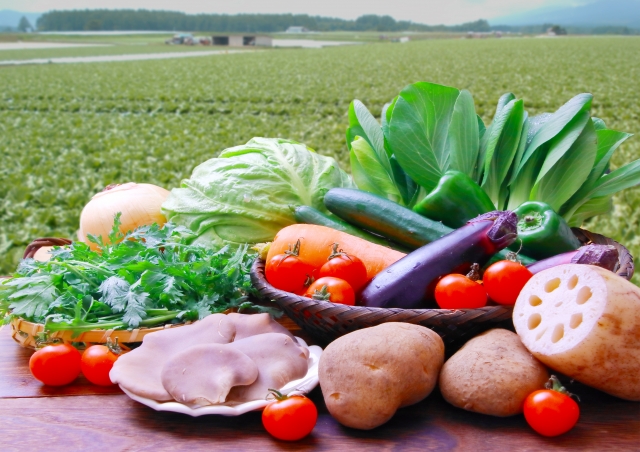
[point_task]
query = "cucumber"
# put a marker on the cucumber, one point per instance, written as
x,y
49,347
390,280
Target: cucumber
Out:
x,y
309,215
390,220
384,217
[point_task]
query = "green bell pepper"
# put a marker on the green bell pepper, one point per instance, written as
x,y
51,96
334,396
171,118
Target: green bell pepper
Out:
x,y
455,200
542,231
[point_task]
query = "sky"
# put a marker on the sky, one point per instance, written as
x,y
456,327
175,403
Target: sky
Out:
x,y
430,12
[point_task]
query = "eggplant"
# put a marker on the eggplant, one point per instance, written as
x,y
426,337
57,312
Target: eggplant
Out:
x,y
605,256
409,282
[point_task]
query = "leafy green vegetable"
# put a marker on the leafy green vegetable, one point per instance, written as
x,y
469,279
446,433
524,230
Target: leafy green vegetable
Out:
x,y
248,194
373,165
499,147
418,130
152,276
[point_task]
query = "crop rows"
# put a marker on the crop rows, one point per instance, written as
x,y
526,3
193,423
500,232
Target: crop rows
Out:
x,y
68,130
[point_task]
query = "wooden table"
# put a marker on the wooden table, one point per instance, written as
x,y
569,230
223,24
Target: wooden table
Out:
x,y
83,417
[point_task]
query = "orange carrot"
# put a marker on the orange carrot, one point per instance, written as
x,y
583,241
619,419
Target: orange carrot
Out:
x,y
316,243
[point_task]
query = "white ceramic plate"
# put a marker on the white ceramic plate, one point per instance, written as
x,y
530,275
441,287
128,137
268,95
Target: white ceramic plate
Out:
x,y
301,386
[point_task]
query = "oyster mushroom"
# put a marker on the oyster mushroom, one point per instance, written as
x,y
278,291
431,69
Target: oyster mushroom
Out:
x,y
204,374
279,359
139,370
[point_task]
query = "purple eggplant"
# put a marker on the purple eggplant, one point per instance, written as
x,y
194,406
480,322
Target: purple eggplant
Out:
x,y
408,283
605,256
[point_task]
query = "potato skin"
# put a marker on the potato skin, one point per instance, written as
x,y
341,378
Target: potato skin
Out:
x,y
492,374
367,375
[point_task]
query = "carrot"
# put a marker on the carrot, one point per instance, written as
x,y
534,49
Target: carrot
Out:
x,y
316,243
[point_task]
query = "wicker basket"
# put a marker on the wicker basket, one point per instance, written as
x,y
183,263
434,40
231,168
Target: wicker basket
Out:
x,y
326,321
26,334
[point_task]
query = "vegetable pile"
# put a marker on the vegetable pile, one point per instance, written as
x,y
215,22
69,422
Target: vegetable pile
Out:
x,y
428,130
150,276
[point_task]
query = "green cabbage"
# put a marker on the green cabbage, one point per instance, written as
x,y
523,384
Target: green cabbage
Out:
x,y
248,193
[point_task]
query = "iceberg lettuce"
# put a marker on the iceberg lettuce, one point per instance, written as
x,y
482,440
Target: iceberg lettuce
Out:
x,y
248,193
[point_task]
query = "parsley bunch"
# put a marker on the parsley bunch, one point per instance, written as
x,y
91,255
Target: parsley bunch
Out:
x,y
151,276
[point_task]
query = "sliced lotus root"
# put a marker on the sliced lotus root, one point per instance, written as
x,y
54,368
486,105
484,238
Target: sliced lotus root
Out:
x,y
584,321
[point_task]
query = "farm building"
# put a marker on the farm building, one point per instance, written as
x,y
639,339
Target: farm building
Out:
x,y
241,40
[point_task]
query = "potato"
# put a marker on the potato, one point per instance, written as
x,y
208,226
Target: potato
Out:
x,y
584,322
367,375
492,374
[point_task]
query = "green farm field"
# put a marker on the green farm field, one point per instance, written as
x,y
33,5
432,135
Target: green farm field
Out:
x,y
66,131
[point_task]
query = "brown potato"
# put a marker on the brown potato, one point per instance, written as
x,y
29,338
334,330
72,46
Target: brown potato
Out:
x,y
367,375
492,374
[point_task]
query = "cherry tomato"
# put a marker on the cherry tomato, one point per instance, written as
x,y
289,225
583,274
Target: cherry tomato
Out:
x,y
96,364
290,418
456,291
332,289
504,280
288,272
344,266
551,413
55,365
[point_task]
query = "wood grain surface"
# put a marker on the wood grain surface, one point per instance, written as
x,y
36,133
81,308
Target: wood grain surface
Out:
x,y
83,417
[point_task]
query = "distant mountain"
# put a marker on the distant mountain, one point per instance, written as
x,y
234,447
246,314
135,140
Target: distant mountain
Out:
x,y
9,18
622,13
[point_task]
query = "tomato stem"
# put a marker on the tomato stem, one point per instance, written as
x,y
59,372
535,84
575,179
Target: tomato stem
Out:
x,y
322,294
554,384
474,273
277,395
335,252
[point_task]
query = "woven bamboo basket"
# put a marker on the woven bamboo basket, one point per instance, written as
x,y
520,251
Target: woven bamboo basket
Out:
x,y
326,321
26,334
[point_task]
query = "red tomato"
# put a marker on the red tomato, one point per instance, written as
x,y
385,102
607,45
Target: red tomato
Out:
x,y
55,365
344,266
288,272
456,291
335,290
551,413
96,364
504,280
290,418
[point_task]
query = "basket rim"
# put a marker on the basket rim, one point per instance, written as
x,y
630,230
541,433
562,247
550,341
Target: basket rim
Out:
x,y
98,336
284,299
257,270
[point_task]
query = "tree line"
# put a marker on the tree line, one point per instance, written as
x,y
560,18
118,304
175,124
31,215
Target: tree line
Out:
x,y
129,20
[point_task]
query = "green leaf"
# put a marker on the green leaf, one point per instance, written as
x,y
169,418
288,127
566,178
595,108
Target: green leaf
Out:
x,y
33,295
558,121
135,309
569,172
485,136
370,173
563,141
598,123
522,143
114,292
418,131
624,177
608,142
595,206
481,127
542,129
359,116
501,144
463,136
